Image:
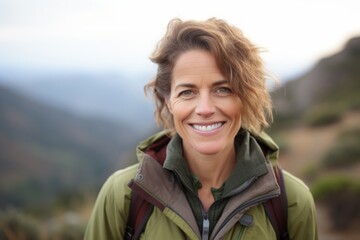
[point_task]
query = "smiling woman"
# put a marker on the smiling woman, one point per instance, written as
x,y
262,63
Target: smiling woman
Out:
x,y
237,58
206,113
211,171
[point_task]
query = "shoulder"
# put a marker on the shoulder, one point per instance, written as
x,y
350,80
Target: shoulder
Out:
x,y
124,175
116,185
302,222
110,212
298,193
115,192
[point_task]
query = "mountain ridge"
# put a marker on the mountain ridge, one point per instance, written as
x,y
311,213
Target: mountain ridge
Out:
x,y
333,80
45,150
112,96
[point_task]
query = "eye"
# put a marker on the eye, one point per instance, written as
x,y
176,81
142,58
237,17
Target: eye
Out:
x,y
186,93
223,91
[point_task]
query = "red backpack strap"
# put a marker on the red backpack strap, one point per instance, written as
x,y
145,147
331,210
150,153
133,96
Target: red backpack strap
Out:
x,y
139,213
276,208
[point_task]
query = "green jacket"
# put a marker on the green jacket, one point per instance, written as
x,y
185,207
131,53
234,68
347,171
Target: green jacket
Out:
x,y
172,217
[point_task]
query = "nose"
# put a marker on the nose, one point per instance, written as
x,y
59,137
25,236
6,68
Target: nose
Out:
x,y
205,105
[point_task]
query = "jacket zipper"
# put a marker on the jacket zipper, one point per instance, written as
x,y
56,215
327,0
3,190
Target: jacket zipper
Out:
x,y
206,222
242,187
206,227
205,234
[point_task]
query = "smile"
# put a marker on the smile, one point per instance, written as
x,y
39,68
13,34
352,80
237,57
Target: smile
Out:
x,y
207,128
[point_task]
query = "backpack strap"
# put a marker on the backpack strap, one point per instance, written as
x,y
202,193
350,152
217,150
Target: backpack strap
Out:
x,y
139,213
276,208
140,209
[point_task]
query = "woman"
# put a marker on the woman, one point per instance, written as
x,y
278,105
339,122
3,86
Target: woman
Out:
x,y
216,163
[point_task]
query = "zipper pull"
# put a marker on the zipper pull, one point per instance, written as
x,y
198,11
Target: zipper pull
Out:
x,y
206,227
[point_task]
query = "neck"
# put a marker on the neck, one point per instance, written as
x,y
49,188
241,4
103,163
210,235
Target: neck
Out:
x,y
212,170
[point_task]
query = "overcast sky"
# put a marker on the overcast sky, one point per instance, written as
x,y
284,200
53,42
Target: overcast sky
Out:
x,y
119,35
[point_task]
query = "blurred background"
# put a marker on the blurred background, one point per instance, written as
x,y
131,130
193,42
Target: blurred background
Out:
x,y
72,108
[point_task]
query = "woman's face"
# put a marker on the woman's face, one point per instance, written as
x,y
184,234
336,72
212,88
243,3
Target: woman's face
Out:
x,y
206,112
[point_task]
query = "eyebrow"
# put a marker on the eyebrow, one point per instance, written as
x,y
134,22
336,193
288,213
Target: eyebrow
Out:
x,y
191,85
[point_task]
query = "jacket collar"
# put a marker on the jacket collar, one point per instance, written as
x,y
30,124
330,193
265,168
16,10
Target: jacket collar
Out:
x,y
159,186
250,164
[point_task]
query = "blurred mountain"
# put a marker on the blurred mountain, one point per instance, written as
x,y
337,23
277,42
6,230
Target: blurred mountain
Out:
x,y
45,151
317,126
118,97
331,87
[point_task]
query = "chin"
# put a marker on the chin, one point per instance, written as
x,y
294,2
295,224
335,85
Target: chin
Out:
x,y
208,148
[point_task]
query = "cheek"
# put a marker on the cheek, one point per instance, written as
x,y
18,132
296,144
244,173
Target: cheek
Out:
x,y
171,103
174,105
236,109
180,110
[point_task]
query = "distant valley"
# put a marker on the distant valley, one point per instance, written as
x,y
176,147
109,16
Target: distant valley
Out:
x,y
113,96
47,151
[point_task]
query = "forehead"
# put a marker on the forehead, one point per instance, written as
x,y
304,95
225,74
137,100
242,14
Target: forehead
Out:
x,y
196,64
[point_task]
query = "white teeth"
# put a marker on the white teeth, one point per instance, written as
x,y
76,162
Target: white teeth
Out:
x,y
205,128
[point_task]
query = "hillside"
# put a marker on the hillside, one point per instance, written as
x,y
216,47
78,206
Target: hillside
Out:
x,y
303,154
331,87
47,152
317,125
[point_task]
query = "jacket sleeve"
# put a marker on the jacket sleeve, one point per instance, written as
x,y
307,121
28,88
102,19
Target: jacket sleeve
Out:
x,y
110,212
302,222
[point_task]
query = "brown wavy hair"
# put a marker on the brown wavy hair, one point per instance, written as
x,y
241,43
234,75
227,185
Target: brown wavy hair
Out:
x,y
236,56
